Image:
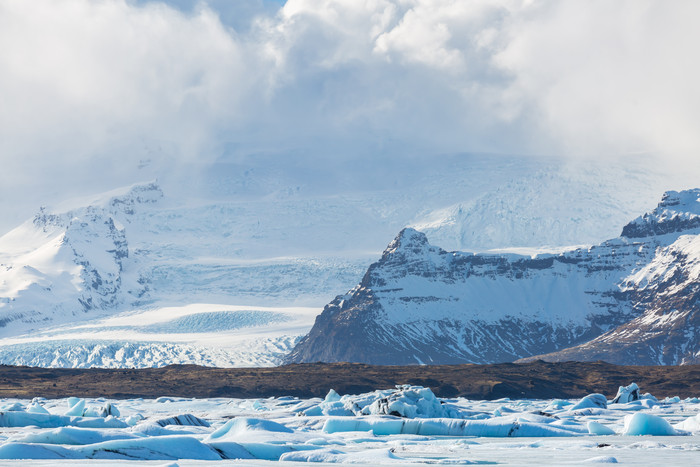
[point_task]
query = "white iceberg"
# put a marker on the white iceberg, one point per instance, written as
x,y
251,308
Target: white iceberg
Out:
x,y
626,394
647,424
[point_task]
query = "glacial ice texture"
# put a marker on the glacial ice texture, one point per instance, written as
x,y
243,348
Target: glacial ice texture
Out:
x,y
405,425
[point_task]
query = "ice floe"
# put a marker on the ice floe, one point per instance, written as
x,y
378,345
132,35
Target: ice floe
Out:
x,y
404,425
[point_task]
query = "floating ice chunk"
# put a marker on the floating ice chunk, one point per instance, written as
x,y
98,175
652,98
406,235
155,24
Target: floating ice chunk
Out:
x,y
496,427
72,401
691,424
34,451
557,404
332,396
15,407
19,419
41,420
232,450
151,429
157,448
35,407
132,420
97,422
77,407
334,408
163,400
109,409
404,401
184,419
626,394
672,400
265,451
597,428
321,442
235,428
647,424
257,405
591,401
373,456
602,460
72,435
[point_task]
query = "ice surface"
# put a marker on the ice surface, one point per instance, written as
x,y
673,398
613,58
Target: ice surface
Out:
x,y
256,431
602,460
691,424
591,401
626,394
647,424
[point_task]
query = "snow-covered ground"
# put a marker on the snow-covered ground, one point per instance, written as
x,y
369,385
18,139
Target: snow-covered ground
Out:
x,y
406,426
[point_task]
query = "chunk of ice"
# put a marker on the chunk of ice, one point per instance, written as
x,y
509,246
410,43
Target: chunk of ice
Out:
x,y
647,424
591,401
602,460
597,428
626,394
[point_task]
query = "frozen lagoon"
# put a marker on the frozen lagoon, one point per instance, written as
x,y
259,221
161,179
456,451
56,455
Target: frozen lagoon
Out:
x,y
406,426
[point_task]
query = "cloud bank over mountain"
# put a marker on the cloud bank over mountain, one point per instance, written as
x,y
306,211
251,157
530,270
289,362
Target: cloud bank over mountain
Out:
x,y
107,92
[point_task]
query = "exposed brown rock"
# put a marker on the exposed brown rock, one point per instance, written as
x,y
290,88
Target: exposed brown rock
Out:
x,y
527,380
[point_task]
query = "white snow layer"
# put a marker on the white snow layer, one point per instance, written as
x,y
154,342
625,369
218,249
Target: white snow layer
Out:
x,y
406,425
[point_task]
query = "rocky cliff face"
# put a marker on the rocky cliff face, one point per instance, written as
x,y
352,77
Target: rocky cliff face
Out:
x,y
421,304
666,297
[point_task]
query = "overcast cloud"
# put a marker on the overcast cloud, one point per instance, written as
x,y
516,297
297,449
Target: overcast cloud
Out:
x,y
92,90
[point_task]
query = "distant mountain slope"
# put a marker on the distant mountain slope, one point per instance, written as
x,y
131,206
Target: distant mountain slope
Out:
x,y
263,236
665,293
421,304
59,267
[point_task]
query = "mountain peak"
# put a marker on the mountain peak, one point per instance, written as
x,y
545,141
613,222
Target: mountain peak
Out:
x,y
408,240
678,211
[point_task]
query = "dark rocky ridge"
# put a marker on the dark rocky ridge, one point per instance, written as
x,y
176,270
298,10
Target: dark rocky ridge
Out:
x,y
532,380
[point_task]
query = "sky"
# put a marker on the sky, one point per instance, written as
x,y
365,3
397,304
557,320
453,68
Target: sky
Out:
x,y
98,94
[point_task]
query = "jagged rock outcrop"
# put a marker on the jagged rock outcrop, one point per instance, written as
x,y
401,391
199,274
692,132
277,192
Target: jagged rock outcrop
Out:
x,y
629,300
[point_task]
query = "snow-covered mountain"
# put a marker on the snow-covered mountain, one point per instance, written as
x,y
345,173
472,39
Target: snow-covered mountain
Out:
x,y
230,267
422,304
665,293
57,268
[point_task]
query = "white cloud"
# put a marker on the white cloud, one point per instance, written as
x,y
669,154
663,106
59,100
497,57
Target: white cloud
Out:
x,y
609,77
90,89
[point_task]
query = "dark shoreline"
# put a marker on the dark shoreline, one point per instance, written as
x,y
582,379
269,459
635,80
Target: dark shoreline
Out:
x,y
535,380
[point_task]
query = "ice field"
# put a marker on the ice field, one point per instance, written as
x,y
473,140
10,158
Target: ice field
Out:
x,y
407,425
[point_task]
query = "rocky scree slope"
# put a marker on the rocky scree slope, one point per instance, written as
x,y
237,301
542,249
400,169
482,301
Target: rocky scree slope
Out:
x,y
632,299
